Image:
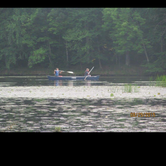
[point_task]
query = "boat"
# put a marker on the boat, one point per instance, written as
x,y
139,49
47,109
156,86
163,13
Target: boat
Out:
x,y
73,77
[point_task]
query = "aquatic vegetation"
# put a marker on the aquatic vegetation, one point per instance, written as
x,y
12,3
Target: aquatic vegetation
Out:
x,y
128,88
111,95
161,81
57,129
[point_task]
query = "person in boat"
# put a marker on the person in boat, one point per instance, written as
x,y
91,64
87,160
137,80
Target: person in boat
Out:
x,y
87,72
57,72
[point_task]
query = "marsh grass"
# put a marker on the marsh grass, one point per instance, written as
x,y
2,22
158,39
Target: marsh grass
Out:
x,y
161,81
57,129
128,88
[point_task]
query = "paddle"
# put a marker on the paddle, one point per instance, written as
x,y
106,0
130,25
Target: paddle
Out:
x,y
71,72
89,73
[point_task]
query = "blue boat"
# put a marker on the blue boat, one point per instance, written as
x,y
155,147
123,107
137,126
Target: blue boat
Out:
x,y
73,77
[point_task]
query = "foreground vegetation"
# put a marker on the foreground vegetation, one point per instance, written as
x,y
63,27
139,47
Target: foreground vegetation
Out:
x,y
161,81
129,88
69,37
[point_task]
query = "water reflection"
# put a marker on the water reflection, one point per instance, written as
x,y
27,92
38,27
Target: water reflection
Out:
x,y
58,83
88,83
43,81
40,115
72,83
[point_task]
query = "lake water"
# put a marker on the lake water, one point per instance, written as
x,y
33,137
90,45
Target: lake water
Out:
x,y
43,81
81,115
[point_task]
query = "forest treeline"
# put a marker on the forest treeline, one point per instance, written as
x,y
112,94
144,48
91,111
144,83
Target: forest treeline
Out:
x,y
65,37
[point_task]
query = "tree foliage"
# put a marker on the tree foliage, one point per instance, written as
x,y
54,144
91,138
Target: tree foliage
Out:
x,y
72,36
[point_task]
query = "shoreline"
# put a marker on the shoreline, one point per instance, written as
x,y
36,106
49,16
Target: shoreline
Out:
x,y
105,71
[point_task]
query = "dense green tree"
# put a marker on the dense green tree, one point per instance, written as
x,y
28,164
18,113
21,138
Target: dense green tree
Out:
x,y
10,36
126,31
156,33
65,37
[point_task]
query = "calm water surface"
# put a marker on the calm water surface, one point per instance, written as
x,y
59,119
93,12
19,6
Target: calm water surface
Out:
x,y
43,81
82,115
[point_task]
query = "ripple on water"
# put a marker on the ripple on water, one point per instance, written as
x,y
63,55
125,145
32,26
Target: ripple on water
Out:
x,y
44,117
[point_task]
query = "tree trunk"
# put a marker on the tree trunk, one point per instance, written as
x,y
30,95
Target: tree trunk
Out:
x,y
67,55
127,58
49,55
146,53
98,47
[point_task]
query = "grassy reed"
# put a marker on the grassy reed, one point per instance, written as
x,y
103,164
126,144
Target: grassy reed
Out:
x,y
128,88
161,81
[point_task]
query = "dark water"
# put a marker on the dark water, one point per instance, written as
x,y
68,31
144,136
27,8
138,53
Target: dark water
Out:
x,y
43,81
81,115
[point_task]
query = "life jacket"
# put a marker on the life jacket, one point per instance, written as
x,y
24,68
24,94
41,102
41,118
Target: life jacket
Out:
x,y
57,73
86,73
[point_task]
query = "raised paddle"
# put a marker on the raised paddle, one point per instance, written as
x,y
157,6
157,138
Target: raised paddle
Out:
x,y
71,72
89,73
